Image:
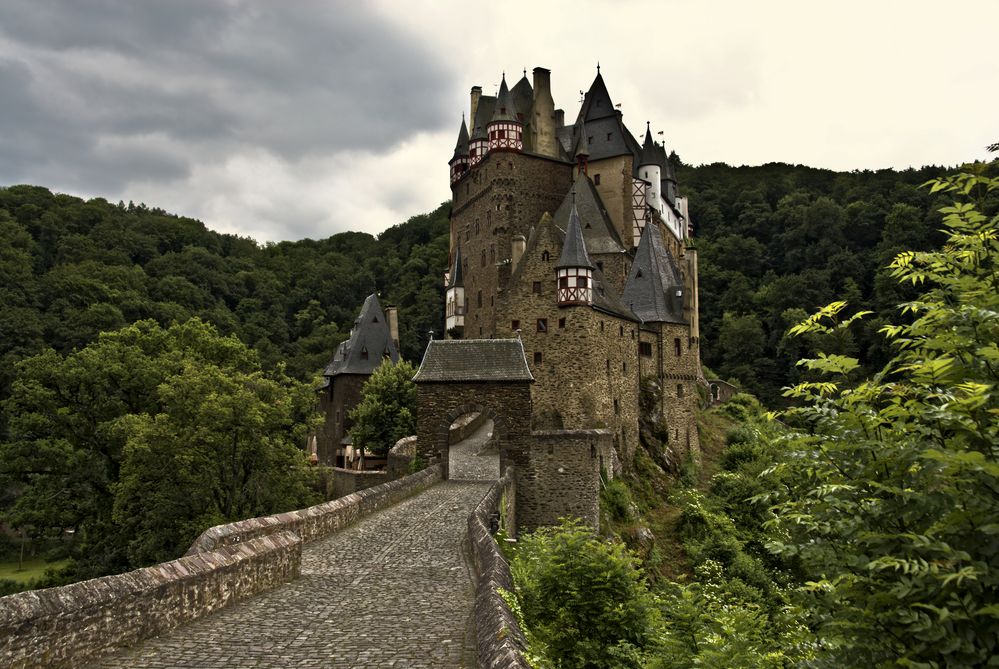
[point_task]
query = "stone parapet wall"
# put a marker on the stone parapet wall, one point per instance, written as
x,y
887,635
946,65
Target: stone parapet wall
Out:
x,y
401,456
321,520
499,639
466,426
347,481
66,626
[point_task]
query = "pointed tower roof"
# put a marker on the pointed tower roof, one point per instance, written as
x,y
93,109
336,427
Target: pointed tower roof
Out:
x,y
650,150
505,109
582,145
599,232
483,113
654,280
598,103
461,147
370,340
455,279
574,248
523,96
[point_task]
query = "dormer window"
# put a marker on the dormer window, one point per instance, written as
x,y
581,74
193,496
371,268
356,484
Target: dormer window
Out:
x,y
364,353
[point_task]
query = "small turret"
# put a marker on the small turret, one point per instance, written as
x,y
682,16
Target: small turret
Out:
x,y
505,130
574,271
454,316
459,162
650,170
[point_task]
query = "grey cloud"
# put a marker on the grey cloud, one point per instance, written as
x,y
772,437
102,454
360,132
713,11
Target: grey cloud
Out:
x,y
207,78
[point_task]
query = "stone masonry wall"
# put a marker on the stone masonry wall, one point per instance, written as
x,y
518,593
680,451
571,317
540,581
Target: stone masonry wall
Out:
x,y
499,639
615,191
347,481
438,404
680,396
65,626
562,477
505,195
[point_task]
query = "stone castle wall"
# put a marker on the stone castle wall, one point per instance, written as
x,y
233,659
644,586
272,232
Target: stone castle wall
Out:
x,y
615,192
505,195
343,394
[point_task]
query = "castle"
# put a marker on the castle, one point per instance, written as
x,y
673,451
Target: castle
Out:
x,y
573,238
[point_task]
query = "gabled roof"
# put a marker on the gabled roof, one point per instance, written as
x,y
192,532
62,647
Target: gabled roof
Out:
x,y
654,280
573,246
523,98
599,233
461,147
455,279
369,342
483,113
473,360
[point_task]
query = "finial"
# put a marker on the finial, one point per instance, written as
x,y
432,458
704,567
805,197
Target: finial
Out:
x,y
431,333
648,124
598,67
525,72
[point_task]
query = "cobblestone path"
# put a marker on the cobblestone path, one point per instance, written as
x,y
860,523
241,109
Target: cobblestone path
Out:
x,y
393,590
475,458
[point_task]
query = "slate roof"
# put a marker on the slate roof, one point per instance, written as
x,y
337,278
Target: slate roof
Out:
x,y
654,280
573,246
461,147
523,98
473,360
455,279
483,113
369,340
599,232
504,110
652,153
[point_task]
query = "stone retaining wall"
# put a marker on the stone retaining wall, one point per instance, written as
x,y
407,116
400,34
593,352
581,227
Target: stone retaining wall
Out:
x,y
321,520
66,626
499,639
346,481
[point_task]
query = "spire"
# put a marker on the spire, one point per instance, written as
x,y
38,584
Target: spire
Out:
x,y
455,280
650,150
461,148
504,104
598,102
574,249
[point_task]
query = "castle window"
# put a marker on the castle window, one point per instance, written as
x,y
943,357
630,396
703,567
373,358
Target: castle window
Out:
x,y
561,323
620,330
645,348
600,265
601,326
478,299
536,288
624,367
608,365
545,256
677,346
468,234
492,253
679,390
617,407
515,325
483,257
542,325
596,179
537,357
589,138
609,136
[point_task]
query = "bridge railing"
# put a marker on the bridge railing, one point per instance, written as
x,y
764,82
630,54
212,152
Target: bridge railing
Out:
x,y
500,641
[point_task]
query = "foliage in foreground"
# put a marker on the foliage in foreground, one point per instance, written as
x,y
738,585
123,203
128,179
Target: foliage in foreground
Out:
x,y
146,437
892,498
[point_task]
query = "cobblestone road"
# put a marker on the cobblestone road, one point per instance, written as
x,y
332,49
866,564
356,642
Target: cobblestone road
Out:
x,y
475,458
394,590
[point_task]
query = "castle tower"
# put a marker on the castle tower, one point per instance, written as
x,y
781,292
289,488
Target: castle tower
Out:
x,y
505,131
481,112
574,271
582,155
650,171
454,315
459,161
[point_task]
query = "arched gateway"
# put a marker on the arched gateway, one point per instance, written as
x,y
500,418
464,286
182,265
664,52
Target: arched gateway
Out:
x,y
459,376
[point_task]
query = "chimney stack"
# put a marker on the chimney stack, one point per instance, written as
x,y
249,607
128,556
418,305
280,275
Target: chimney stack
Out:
x,y
476,94
392,314
559,118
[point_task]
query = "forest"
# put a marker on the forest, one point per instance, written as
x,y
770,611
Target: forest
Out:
x,y
137,342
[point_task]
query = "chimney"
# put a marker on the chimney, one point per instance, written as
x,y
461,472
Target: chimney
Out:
x,y
559,118
517,246
476,94
392,314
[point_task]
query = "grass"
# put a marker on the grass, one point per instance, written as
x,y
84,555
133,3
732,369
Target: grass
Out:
x,y
32,569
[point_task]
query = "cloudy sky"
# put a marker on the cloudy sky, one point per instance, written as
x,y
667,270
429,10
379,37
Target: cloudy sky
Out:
x,y
286,120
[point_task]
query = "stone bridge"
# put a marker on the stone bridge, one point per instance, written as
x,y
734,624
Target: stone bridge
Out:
x,y
405,576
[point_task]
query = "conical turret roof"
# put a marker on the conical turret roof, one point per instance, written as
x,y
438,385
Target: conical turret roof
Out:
x,y
456,280
654,280
461,147
505,110
574,248
370,341
650,150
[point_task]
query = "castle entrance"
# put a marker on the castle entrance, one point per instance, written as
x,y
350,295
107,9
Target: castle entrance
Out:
x,y
473,451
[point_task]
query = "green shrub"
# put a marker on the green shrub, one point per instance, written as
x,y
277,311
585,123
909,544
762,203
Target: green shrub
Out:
x,y
615,499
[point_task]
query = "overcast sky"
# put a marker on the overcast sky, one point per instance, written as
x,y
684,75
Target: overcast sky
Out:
x,y
286,120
